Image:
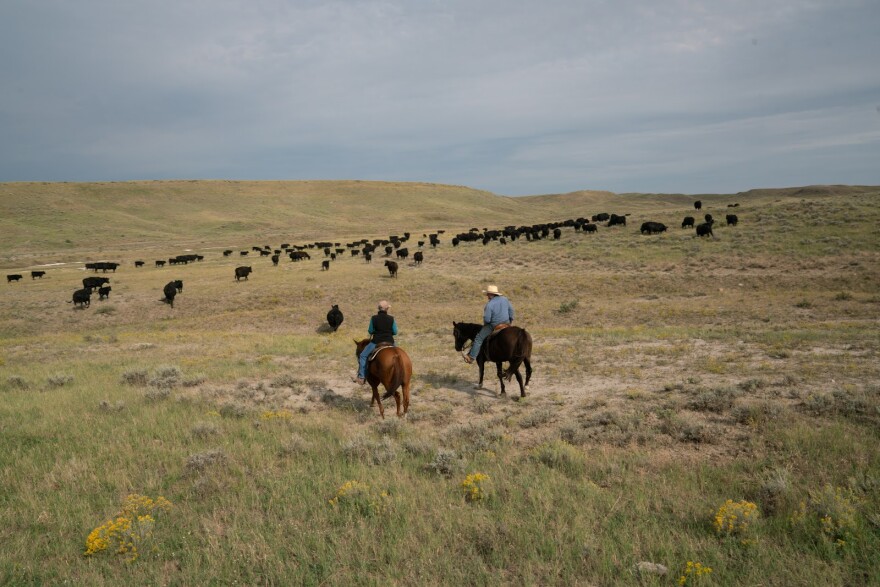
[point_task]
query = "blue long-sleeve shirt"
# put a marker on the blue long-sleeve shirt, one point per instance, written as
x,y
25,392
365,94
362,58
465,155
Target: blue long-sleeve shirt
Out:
x,y
498,310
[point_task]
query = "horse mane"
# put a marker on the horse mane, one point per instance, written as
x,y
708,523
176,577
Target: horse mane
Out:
x,y
469,329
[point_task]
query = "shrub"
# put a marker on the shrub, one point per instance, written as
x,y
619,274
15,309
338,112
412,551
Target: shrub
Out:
x,y
774,490
369,451
205,429
736,519
446,462
477,487
715,400
693,573
537,418
233,410
165,377
134,377
201,461
563,457
833,510
16,382
360,498
59,380
131,530
567,307
294,445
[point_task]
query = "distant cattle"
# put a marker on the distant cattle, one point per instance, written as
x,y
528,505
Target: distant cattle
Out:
x,y
600,217
704,230
325,265
160,263
615,220
557,234
227,252
388,250
82,297
698,204
243,253
590,228
392,268
138,263
688,222
335,317
732,219
102,266
104,292
91,283
709,219
368,257
179,285
299,255
242,272
418,257
13,277
275,260
733,205
35,274
355,252
653,228
455,241
169,291
402,253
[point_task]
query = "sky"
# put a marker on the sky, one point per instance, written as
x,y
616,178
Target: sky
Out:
x,y
510,96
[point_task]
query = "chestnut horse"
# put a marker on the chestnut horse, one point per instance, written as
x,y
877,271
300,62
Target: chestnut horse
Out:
x,y
511,344
392,368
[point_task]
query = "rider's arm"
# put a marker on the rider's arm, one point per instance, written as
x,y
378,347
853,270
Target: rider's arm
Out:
x,y
394,327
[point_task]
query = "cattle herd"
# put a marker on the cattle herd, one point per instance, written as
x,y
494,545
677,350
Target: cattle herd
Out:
x,y
365,248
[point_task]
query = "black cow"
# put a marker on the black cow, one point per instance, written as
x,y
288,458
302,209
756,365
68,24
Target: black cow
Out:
x,y
732,219
709,219
35,274
455,241
698,204
242,272
615,220
227,252
325,265
179,285
82,297
91,283
160,263
653,227
104,292
704,229
138,263
388,250
275,260
590,228
13,277
368,257
688,222
335,317
402,253
600,217
557,234
392,268
418,257
170,290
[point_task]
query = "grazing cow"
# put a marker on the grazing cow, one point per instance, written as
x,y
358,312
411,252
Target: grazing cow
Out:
x,y
653,227
704,230
418,257
170,290
82,297
709,219
160,263
91,283
355,252
698,204
590,228
455,241
332,256
243,253
13,277
402,253
688,222
138,263
35,274
368,257
557,234
392,268
179,285
104,292
600,217
732,219
335,317
227,252
615,220
275,260
242,272
733,205
325,265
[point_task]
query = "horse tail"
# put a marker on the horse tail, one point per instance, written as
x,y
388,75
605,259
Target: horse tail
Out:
x,y
522,349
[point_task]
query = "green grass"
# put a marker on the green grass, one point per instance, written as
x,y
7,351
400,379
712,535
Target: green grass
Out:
x,y
671,374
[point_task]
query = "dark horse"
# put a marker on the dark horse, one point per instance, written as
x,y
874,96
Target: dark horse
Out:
x,y
511,344
392,368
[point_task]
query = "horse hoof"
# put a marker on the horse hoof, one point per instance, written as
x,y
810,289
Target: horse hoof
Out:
x,y
477,386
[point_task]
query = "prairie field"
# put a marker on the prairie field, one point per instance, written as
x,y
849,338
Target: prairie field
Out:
x,y
703,411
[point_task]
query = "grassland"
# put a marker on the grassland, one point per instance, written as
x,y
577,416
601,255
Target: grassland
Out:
x,y
671,374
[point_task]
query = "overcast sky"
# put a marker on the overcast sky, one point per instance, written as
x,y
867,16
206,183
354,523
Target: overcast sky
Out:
x,y
516,97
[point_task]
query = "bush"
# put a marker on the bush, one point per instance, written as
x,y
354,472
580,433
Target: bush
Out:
x,y
134,377
561,456
16,382
369,451
201,461
59,380
446,462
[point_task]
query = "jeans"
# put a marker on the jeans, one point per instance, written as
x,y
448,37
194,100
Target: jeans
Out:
x,y
485,331
362,359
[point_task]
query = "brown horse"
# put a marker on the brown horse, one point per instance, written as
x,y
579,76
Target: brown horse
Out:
x,y
511,344
392,368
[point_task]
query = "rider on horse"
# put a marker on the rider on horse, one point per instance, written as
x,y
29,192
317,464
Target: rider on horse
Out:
x,y
497,311
382,328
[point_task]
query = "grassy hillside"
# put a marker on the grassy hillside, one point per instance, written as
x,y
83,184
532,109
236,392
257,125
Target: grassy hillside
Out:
x,y
671,374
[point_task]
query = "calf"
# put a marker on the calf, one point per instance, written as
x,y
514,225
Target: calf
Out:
x,y
104,292
242,272
616,220
732,220
35,274
557,234
82,297
402,253
392,268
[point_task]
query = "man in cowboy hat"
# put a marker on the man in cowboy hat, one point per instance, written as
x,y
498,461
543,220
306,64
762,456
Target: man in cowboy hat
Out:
x,y
497,311
382,328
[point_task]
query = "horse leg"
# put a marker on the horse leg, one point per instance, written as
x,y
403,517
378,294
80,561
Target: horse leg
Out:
x,y
501,378
398,400
519,379
405,394
481,363
377,399
528,365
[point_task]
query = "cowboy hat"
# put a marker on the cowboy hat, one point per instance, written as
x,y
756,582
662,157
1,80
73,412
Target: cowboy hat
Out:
x,y
492,289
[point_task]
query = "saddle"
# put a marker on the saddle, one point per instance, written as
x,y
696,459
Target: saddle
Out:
x,y
379,348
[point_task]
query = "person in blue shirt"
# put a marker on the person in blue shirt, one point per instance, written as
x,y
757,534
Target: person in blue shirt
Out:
x,y
497,311
382,328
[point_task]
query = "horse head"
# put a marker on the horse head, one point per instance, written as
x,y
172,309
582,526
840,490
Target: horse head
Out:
x,y
463,332
359,346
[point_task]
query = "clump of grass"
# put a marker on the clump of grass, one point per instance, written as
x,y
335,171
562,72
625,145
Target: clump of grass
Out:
x,y
205,429
751,385
418,447
757,413
135,377
563,457
16,382
59,380
804,304
537,418
370,451
477,438
447,462
288,381
106,406
393,427
361,498
832,512
165,377
233,410
106,310
774,490
716,400
194,381
157,394
684,428
199,462
567,307
843,296
295,444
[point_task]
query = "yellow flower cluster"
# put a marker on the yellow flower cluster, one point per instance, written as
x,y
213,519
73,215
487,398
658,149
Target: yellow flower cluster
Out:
x,y
692,573
475,486
735,519
835,508
362,498
279,415
130,529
